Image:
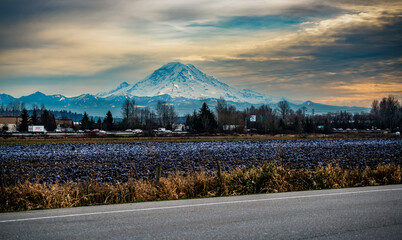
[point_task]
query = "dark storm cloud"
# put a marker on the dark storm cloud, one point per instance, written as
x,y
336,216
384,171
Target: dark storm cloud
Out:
x,y
363,42
308,11
20,20
15,11
353,47
353,58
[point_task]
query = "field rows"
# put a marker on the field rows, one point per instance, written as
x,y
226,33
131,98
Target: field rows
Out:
x,y
111,162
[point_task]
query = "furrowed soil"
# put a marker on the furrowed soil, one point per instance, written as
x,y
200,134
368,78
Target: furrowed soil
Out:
x,y
52,172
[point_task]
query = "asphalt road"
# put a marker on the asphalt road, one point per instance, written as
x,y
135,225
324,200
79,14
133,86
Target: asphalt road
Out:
x,y
354,213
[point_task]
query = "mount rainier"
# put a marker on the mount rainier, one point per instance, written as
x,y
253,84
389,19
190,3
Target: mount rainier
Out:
x,y
179,80
182,85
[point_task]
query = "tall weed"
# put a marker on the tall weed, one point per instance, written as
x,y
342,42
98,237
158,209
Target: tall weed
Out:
x,y
267,178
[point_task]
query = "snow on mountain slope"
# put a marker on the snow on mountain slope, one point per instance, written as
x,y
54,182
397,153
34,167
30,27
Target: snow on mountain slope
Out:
x,y
184,86
121,90
180,80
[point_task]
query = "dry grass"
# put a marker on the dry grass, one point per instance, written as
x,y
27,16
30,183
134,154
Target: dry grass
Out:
x,y
265,179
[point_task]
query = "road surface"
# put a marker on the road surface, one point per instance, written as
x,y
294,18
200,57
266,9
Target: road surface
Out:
x,y
354,213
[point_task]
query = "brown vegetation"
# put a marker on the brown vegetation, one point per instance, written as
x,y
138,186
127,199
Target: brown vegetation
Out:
x,y
265,179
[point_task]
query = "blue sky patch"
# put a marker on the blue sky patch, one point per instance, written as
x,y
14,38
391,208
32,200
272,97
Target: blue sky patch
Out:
x,y
252,22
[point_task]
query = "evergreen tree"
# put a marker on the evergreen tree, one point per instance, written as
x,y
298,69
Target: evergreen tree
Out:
x,y
207,119
188,122
91,124
47,119
85,121
109,121
99,124
193,122
34,118
24,122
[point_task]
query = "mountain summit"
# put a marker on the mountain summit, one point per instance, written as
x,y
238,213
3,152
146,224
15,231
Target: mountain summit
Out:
x,y
180,84
185,80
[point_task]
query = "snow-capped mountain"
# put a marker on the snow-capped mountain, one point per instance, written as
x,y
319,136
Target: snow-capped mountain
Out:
x,y
182,85
179,80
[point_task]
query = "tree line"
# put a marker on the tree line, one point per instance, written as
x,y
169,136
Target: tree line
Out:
x,y
39,117
135,117
35,116
385,114
14,109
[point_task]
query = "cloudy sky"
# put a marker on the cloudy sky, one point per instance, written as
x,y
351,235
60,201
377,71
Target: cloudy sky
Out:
x,y
334,52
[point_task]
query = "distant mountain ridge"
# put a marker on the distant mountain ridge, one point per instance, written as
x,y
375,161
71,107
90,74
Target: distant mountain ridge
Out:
x,y
182,85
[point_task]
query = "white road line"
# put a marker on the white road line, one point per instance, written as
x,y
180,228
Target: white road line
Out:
x,y
198,205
